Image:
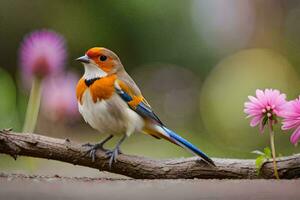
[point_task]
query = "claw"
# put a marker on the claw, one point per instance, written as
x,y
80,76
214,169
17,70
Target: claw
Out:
x,y
112,155
108,153
93,149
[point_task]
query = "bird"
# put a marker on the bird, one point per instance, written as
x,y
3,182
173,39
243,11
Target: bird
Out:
x,y
111,102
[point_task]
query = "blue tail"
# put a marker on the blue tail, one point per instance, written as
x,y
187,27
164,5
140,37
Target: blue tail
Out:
x,y
146,112
187,145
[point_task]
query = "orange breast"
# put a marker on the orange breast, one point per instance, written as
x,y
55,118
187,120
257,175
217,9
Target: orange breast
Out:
x,y
80,88
103,88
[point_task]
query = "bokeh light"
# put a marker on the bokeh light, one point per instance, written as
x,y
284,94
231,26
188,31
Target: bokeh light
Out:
x,y
227,87
224,26
171,90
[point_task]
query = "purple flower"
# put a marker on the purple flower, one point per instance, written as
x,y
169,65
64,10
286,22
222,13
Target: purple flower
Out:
x,y
42,53
59,97
291,119
265,107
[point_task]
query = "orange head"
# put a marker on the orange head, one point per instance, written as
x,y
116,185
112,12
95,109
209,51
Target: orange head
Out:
x,y
100,62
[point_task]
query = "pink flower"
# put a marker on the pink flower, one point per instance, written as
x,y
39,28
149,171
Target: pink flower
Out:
x,y
265,107
42,53
291,119
59,97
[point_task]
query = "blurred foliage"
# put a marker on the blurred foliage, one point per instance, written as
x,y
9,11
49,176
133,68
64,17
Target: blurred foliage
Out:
x,y
195,61
8,104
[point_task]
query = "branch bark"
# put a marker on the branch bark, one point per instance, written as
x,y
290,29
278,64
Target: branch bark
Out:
x,y
39,146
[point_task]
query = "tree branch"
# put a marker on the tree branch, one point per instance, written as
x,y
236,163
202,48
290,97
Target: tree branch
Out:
x,y
33,145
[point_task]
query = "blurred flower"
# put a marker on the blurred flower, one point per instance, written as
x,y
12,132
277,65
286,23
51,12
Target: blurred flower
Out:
x,y
265,107
42,53
291,119
59,98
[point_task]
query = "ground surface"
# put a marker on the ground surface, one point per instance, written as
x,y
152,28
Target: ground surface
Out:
x,y
16,186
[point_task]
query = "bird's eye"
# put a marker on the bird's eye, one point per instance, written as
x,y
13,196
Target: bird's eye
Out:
x,y
103,58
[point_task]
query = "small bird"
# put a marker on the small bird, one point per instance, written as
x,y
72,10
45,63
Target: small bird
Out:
x,y
111,102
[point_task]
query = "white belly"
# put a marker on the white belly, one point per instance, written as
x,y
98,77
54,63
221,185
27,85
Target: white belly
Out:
x,y
111,116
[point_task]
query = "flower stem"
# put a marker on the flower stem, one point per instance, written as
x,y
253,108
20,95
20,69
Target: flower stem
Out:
x,y
33,105
273,149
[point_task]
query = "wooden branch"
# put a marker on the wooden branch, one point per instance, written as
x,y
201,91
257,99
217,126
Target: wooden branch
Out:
x,y
34,145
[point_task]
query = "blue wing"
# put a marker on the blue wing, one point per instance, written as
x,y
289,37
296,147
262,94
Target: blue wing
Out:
x,y
142,109
162,131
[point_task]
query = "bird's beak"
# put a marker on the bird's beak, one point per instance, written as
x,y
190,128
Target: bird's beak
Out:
x,y
83,59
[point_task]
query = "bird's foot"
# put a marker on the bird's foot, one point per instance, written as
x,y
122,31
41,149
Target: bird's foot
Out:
x,y
93,149
112,155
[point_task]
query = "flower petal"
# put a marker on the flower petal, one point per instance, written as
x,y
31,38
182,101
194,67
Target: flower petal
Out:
x,y
295,136
255,121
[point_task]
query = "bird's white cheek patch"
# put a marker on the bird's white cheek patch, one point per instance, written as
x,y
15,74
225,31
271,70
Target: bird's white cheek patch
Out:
x,y
93,71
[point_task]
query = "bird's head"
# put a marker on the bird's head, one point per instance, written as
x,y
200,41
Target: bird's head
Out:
x,y
99,62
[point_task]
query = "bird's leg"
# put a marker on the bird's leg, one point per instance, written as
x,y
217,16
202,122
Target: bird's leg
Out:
x,y
100,144
112,155
93,148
